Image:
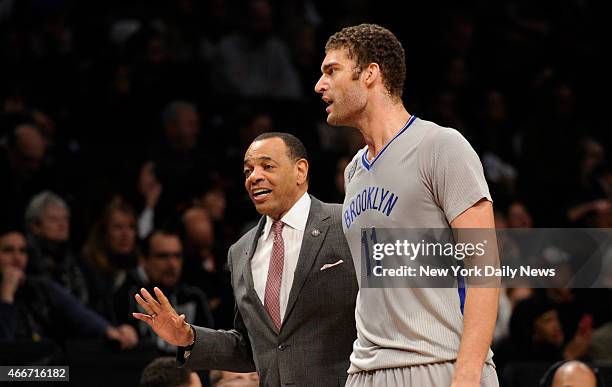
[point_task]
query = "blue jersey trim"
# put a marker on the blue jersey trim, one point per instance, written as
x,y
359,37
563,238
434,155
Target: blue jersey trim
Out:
x,y
364,159
461,291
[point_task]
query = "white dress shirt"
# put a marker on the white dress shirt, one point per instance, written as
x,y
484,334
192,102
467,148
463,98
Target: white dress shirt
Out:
x,y
293,233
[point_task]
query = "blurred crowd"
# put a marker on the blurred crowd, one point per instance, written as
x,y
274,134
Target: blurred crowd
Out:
x,y
123,126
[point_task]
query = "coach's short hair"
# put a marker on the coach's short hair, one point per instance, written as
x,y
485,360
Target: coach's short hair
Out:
x,y
371,43
163,372
39,203
296,150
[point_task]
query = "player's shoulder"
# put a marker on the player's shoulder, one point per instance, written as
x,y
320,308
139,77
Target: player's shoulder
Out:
x,y
437,137
434,130
357,156
352,166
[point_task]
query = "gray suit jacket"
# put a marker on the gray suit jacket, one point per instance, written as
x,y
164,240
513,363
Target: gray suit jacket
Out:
x,y
316,338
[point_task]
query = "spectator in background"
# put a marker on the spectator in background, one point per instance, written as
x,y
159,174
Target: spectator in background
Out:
x,y
501,220
569,303
214,201
47,218
179,165
163,372
517,215
304,51
589,197
250,123
545,177
181,126
161,265
508,298
35,307
254,62
150,189
571,374
199,239
601,347
605,178
202,268
26,149
517,245
446,110
497,129
233,379
254,124
23,167
499,143
536,335
512,215
109,253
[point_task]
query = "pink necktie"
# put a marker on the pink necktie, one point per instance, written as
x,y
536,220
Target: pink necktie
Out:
x,y
275,275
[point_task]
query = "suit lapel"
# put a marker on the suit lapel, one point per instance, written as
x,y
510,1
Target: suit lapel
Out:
x,y
314,235
247,273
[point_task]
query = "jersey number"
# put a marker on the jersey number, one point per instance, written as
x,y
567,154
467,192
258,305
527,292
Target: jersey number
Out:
x,y
365,246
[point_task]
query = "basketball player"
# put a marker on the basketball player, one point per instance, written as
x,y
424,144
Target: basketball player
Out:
x,y
415,174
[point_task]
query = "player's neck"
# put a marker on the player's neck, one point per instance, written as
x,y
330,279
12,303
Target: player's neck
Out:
x,y
381,127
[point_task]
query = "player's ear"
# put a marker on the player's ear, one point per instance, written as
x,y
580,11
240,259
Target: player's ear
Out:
x,y
372,73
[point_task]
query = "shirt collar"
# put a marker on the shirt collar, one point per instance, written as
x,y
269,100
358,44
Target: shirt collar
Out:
x,y
295,218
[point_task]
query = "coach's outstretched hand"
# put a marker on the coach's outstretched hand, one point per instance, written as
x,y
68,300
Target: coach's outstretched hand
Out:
x,y
164,320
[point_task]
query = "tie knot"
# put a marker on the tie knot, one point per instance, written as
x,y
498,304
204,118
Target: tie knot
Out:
x,y
277,225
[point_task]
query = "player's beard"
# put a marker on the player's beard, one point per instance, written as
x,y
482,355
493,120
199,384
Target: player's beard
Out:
x,y
347,110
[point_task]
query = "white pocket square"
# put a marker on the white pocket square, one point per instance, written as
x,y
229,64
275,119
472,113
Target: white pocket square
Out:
x,y
328,265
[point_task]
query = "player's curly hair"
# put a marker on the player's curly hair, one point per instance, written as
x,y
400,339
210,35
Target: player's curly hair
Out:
x,y
371,43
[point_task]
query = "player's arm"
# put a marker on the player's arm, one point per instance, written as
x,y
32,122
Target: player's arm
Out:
x,y
480,310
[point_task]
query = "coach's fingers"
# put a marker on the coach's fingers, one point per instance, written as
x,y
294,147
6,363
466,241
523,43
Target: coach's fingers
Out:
x,y
145,305
150,300
180,321
143,317
162,298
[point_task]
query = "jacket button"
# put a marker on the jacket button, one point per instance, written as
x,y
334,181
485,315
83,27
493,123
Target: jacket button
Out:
x,y
282,347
